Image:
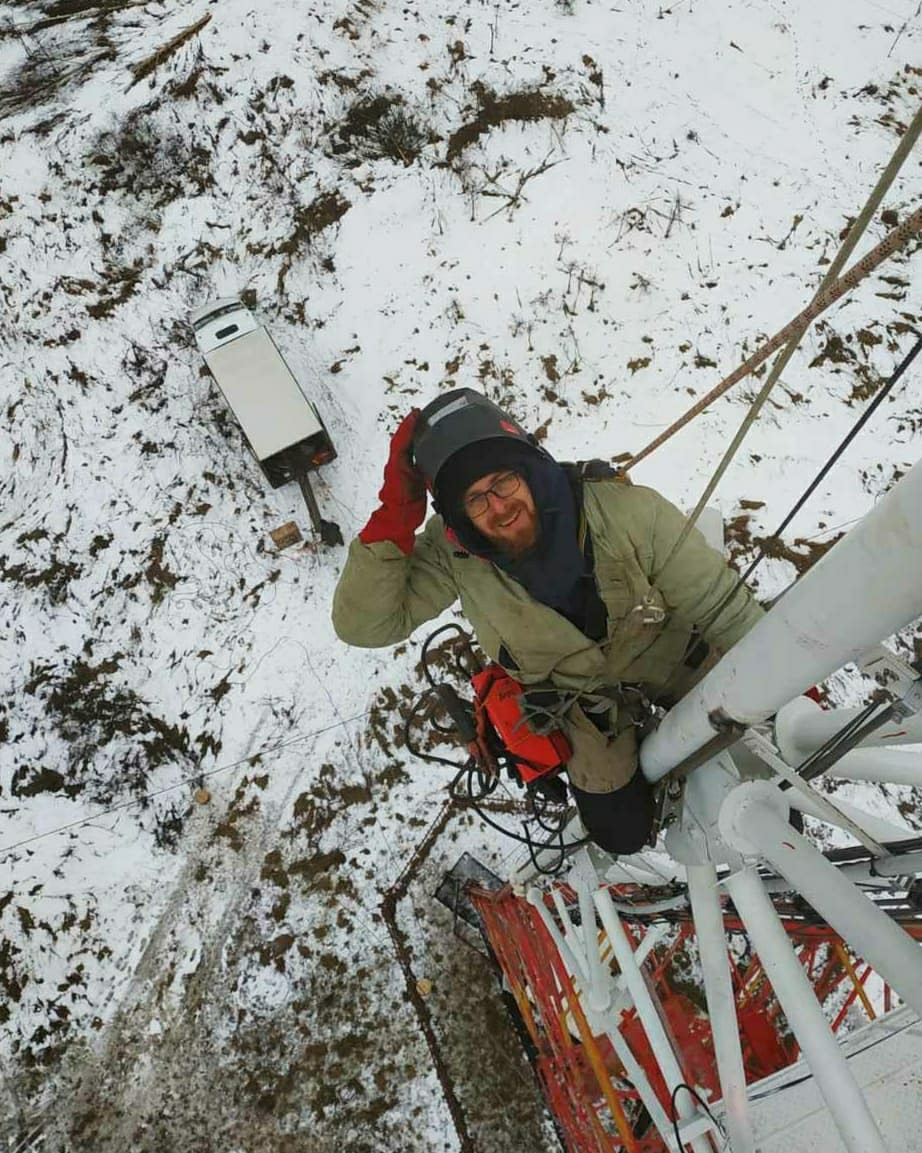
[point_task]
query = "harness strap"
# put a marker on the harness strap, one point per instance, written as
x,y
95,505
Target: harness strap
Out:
x,y
595,625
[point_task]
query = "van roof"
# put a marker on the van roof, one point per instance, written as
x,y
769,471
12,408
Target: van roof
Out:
x,y
225,303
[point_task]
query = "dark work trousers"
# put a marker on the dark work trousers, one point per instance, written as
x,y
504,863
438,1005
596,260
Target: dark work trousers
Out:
x,y
619,821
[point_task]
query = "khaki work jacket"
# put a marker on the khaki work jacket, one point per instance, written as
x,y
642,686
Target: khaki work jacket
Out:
x,y
384,595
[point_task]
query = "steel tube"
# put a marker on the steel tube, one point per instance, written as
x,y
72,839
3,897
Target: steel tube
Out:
x,y
883,870
827,1062
751,819
535,898
646,1009
880,766
584,879
572,936
812,631
607,1022
639,1080
802,726
721,1004
881,830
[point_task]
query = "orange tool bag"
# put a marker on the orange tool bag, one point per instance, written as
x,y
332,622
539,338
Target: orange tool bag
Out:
x,y
498,701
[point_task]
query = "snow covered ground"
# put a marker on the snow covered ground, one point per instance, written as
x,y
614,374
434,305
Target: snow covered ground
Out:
x,y
590,210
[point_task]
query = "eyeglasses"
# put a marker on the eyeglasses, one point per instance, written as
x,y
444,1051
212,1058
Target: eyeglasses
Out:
x,y
504,486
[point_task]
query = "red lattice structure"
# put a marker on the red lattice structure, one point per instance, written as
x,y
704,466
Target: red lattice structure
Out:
x,y
584,1082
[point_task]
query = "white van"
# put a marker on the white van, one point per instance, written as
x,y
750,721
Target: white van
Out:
x,y
283,428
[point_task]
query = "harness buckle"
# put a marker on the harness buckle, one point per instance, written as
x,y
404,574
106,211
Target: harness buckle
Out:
x,y
651,614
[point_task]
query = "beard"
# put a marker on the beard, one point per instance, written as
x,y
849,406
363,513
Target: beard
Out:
x,y
523,547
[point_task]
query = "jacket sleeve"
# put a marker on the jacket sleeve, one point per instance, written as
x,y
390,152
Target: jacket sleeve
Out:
x,y
698,583
383,595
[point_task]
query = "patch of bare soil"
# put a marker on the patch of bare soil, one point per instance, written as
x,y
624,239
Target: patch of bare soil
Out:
x,y
801,552
267,1010
526,106
494,1082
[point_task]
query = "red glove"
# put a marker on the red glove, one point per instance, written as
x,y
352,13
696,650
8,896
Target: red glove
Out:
x,y
402,496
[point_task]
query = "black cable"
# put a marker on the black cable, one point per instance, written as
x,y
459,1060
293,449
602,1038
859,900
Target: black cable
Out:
x,y
842,739
843,445
522,840
539,813
701,1101
472,782
852,854
848,738
472,771
857,738
811,488
414,749
424,655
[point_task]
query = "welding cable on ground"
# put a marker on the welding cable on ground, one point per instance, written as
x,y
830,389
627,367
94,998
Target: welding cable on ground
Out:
x,y
195,779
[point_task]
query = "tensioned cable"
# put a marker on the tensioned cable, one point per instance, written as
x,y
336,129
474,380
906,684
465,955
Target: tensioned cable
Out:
x,y
843,445
795,330
191,780
740,583
895,240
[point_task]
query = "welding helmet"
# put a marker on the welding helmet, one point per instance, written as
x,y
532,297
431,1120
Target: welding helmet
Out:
x,y
462,435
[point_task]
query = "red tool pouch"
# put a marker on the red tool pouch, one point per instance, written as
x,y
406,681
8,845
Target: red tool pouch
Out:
x,y
500,697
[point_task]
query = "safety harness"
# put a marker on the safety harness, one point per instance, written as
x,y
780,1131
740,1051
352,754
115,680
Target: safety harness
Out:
x,y
526,721
518,728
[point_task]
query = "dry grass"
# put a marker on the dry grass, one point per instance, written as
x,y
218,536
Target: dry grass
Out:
x,y
43,76
151,63
150,160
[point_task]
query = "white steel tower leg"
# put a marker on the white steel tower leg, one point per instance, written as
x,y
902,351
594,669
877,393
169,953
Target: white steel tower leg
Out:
x,y
718,988
753,818
643,1001
585,881
866,587
826,1060
607,1022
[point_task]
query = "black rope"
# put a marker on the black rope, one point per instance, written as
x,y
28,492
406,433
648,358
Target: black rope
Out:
x,y
847,440
882,393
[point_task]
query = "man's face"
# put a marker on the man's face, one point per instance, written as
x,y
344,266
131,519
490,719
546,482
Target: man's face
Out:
x,y
510,522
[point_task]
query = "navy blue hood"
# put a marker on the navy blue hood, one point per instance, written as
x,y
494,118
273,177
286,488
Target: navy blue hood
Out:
x,y
553,571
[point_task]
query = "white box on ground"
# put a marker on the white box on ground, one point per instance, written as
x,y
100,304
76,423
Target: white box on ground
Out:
x,y
260,389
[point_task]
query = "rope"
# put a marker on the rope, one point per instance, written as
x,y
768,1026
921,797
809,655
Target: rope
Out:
x,y
893,242
827,286
882,394
855,232
193,780
740,583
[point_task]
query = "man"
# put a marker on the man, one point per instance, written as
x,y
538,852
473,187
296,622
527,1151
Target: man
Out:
x,y
562,579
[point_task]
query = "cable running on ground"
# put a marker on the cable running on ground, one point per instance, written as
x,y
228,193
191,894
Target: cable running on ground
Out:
x,y
191,780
